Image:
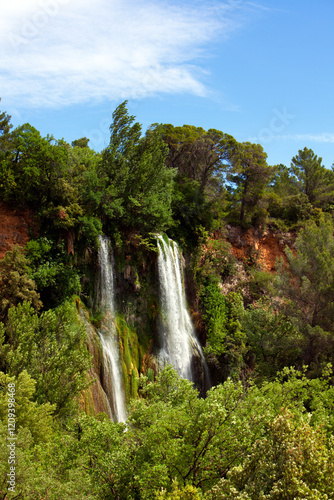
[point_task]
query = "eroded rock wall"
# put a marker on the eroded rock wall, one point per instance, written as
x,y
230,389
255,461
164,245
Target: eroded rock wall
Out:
x,y
93,400
16,226
262,246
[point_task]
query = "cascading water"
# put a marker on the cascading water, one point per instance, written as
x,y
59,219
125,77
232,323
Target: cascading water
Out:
x,y
108,335
178,339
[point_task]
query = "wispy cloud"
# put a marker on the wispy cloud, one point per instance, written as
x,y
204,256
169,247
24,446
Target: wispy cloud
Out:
x,y
323,137
327,137
61,52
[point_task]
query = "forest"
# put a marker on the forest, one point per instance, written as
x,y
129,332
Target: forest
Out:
x,y
258,424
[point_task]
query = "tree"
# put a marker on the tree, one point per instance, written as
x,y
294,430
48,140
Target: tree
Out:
x,y
15,283
273,342
307,288
250,174
197,154
195,441
240,442
52,270
28,414
307,285
80,143
6,176
200,159
313,179
286,200
137,187
192,212
5,127
5,136
51,347
177,444
43,462
293,461
33,167
36,173
225,337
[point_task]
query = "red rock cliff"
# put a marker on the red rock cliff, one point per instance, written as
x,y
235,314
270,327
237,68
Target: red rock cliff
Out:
x,y
263,246
15,226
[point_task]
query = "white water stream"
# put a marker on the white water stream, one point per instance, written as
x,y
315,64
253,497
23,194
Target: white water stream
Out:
x,y
108,335
178,339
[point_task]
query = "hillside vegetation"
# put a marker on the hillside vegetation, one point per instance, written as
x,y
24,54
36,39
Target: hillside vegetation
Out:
x,y
265,430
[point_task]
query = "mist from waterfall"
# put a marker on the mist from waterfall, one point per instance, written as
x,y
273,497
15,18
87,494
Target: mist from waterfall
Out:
x,y
177,335
112,375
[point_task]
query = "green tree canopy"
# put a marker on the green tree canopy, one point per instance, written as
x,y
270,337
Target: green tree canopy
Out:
x,y
250,175
80,143
36,172
293,461
137,187
51,347
200,159
306,286
197,154
286,200
313,179
5,124
6,178
15,283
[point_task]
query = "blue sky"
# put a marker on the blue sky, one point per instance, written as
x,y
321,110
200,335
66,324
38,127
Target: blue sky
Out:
x,y
261,71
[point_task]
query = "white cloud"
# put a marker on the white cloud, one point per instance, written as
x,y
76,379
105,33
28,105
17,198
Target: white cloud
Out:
x,y
323,137
60,52
327,137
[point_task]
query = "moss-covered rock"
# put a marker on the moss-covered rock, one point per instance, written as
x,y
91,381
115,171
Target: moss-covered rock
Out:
x,y
93,400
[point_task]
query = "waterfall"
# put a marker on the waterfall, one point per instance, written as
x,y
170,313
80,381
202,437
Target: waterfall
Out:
x,y
111,358
178,339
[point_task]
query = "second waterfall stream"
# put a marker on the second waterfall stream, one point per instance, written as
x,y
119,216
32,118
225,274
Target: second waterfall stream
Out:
x,y
179,344
112,375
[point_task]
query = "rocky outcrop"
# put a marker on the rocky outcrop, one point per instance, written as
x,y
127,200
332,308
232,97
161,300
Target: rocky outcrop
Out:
x,y
136,292
261,246
16,227
93,400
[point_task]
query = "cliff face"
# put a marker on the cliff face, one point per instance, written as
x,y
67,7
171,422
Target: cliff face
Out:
x,y
15,227
93,400
263,246
136,291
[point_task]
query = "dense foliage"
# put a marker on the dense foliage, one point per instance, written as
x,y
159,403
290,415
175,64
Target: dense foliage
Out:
x,y
244,443
265,429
